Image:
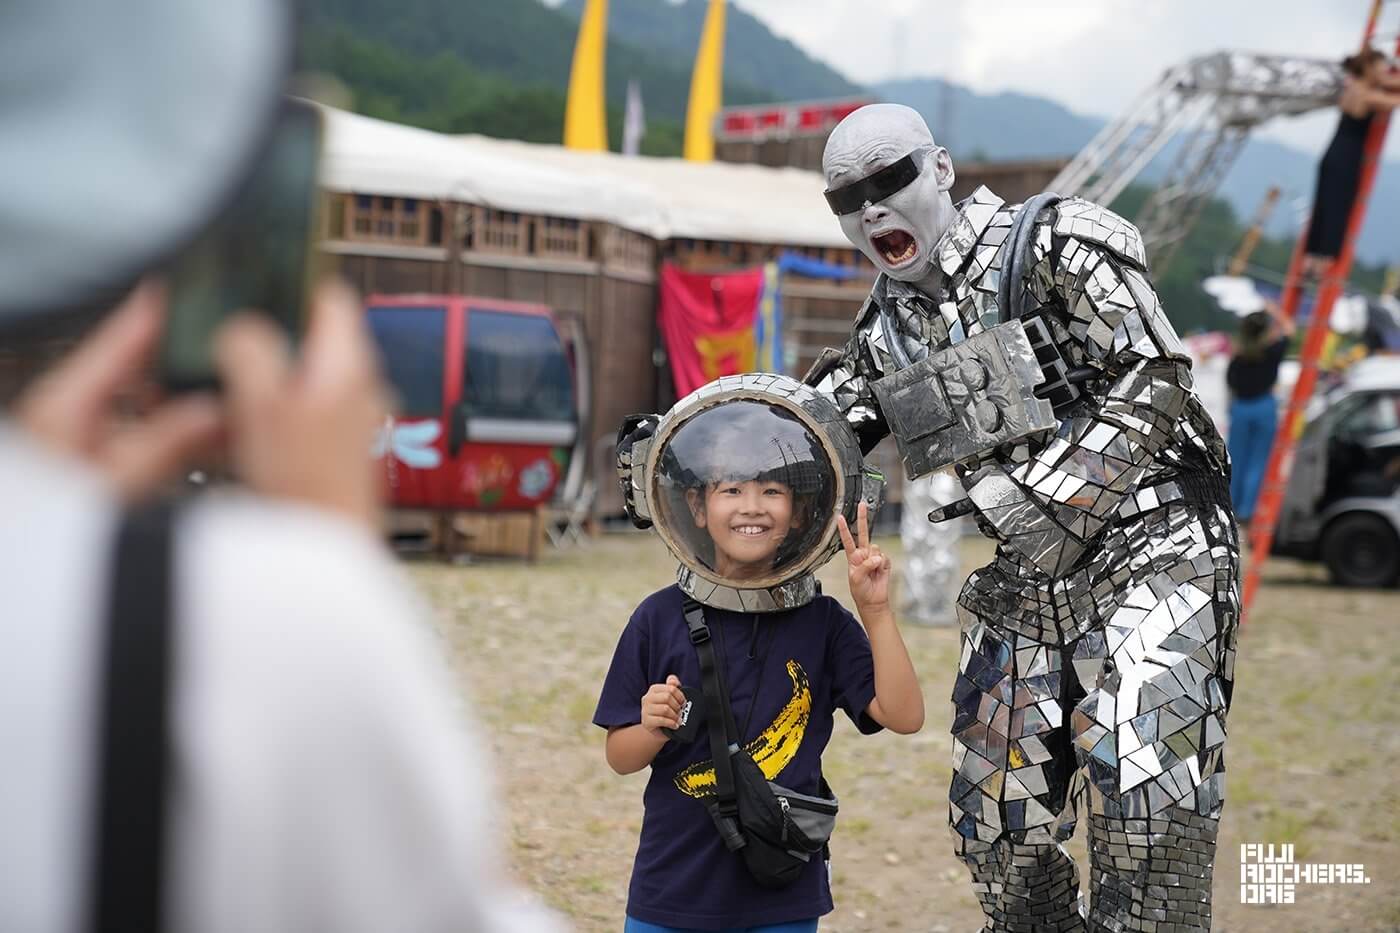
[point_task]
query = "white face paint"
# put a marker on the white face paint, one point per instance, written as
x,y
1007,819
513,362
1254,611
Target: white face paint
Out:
x,y
899,233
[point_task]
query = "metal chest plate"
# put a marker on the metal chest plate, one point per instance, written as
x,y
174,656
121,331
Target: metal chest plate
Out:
x,y
965,400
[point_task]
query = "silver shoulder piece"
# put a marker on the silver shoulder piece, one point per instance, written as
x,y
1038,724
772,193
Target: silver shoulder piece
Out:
x,y
1085,220
965,400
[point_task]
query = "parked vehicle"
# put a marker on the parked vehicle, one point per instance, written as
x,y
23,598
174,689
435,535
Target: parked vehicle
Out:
x,y
487,412
1342,505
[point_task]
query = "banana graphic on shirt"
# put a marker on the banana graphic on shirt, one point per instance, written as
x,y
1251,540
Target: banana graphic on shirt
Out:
x,y
773,749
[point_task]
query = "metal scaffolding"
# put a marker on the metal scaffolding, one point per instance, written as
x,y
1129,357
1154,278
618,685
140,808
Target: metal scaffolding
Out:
x,y
1208,105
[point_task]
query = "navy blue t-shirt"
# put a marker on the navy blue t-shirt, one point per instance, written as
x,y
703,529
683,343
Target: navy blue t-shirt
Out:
x,y
788,672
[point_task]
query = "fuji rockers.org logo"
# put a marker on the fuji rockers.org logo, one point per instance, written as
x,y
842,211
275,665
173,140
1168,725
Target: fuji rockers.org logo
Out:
x,y
1269,875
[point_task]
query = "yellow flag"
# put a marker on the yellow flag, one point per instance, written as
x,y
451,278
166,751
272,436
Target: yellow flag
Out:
x,y
585,114
706,95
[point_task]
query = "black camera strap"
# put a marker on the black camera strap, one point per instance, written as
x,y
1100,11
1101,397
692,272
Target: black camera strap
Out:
x,y
719,718
126,881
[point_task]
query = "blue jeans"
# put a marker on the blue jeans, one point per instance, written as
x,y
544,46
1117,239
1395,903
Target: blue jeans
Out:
x,y
1253,422
796,926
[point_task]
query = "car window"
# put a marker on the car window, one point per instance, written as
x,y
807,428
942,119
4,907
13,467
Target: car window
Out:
x,y
516,367
1377,413
410,342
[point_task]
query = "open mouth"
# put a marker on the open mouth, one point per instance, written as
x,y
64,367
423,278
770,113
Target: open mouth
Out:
x,y
896,247
749,531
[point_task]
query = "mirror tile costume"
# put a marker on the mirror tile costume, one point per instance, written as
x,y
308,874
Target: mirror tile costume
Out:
x,y
1097,647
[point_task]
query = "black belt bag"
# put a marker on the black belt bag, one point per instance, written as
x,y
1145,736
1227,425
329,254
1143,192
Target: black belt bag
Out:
x,y
776,831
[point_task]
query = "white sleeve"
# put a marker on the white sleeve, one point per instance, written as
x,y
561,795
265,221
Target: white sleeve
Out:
x,y
325,777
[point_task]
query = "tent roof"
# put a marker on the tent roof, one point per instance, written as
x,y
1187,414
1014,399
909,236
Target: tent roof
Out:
x,y
663,198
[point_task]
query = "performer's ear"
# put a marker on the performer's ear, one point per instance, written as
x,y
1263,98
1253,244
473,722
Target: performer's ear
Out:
x,y
942,168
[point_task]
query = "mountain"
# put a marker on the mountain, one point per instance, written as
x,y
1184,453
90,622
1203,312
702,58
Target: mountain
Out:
x,y
992,126
1016,126
520,41
753,55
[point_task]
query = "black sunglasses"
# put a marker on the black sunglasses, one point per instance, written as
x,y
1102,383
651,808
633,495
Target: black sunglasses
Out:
x,y
875,187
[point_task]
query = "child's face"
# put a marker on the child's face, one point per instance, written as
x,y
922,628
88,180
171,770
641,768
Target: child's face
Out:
x,y
747,520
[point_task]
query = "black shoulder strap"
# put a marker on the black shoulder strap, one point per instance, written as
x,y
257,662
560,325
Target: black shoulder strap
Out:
x,y
1010,293
130,815
719,717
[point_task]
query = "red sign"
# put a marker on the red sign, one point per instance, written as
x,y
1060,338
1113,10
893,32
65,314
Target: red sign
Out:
x,y
769,121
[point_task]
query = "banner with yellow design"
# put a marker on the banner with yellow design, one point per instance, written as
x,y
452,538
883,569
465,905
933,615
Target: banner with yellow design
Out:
x,y
712,326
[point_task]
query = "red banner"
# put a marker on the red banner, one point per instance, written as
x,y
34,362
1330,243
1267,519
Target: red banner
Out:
x,y
707,322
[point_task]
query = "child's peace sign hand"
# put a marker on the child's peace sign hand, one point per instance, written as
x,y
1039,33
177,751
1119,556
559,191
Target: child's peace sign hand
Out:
x,y
869,569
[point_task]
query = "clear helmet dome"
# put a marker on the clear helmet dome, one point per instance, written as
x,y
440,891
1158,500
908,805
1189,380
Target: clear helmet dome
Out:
x,y
744,493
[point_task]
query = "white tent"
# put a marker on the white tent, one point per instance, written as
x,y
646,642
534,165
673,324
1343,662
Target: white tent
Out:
x,y
663,198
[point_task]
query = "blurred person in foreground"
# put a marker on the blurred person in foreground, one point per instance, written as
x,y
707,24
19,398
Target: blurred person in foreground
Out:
x,y
230,714
320,777
1251,377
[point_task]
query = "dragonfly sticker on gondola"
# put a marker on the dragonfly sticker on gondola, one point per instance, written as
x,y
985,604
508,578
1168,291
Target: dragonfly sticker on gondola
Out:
x,y
412,443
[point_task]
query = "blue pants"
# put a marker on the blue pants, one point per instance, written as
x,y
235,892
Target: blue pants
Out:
x,y
1252,425
796,926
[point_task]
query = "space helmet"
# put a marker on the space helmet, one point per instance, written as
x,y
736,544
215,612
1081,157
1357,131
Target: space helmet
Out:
x,y
743,480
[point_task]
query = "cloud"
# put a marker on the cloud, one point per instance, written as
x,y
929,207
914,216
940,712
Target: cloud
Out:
x,y
1093,56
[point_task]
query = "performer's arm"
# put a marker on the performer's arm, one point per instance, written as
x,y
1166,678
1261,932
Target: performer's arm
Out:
x,y
1051,505
845,375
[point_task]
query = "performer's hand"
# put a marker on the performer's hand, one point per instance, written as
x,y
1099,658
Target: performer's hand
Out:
x,y
661,706
634,428
868,569
969,479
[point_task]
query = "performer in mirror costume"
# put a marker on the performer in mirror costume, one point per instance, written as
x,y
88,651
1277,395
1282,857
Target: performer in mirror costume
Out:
x,y
1028,349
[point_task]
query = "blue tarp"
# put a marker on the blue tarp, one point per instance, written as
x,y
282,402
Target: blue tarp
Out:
x,y
815,268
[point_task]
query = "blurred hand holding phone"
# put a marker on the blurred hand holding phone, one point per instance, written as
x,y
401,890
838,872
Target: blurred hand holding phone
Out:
x,y
293,359
256,256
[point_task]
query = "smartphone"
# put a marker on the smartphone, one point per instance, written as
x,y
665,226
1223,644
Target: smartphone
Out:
x,y
258,255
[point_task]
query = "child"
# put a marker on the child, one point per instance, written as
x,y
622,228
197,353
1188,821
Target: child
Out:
x,y
788,672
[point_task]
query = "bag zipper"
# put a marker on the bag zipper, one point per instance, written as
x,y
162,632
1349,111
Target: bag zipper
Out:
x,y
783,803
806,802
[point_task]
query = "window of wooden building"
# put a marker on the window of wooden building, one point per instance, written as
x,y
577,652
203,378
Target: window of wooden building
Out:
x,y
378,218
625,249
497,231
717,255
560,238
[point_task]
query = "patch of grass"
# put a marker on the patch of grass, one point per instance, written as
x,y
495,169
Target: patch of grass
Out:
x,y
1240,791
1287,826
1310,740
858,826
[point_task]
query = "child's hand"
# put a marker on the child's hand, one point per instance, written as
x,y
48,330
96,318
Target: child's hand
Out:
x,y
661,706
869,570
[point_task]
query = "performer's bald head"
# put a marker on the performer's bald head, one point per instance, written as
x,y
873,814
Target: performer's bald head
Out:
x,y
895,220
868,129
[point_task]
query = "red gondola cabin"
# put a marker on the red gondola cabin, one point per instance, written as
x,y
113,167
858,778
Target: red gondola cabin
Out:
x,y
486,415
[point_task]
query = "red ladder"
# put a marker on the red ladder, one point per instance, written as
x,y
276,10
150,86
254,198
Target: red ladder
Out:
x,y
1270,502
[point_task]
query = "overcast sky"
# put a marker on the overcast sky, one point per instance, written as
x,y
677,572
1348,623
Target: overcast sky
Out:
x,y
1093,56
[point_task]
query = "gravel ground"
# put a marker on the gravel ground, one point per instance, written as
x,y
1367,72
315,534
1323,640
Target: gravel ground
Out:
x,y
1313,749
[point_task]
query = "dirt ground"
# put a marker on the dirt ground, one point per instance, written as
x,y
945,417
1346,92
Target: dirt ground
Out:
x,y
1313,750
